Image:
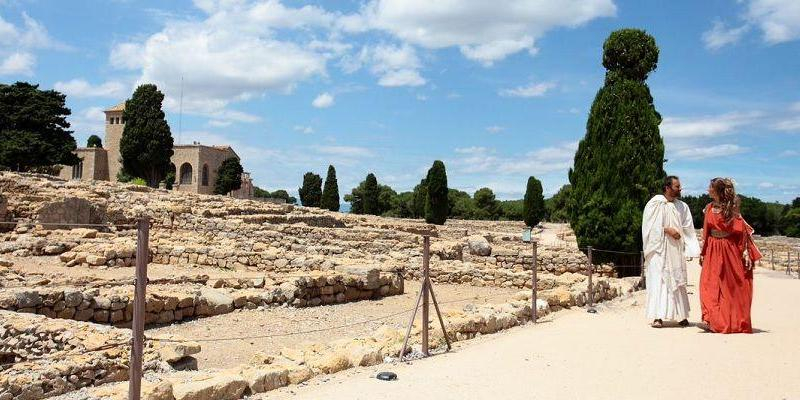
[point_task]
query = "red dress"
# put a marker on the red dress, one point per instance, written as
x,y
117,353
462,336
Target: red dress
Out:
x,y
726,286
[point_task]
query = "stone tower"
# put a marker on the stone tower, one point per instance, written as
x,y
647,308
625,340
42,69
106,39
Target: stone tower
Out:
x,y
114,126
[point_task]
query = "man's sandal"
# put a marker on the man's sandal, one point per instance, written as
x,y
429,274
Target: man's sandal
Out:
x,y
657,323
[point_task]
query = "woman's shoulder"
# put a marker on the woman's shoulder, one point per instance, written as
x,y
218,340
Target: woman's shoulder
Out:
x,y
708,207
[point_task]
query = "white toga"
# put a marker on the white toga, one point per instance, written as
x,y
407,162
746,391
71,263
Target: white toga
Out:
x,y
665,257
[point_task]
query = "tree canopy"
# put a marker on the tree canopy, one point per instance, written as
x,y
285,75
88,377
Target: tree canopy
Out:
x,y
229,176
146,143
34,131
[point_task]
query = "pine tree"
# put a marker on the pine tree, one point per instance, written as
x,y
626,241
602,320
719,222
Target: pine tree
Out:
x,y
330,193
436,204
533,204
94,141
370,195
486,205
34,131
229,176
619,163
146,143
311,192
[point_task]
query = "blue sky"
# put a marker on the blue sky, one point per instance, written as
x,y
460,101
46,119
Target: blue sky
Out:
x,y
498,90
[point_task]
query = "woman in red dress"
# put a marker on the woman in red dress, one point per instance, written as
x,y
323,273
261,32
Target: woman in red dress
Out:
x,y
728,258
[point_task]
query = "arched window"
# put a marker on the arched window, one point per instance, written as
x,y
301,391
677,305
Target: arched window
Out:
x,y
186,174
204,178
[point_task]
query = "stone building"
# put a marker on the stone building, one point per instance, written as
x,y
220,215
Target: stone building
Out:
x,y
195,165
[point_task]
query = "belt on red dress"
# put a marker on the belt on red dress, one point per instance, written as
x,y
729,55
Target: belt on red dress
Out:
x,y
719,234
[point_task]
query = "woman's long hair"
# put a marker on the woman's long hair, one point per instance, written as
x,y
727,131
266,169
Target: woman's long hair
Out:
x,y
728,201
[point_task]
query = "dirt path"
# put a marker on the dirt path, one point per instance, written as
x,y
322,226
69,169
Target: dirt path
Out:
x,y
613,354
281,320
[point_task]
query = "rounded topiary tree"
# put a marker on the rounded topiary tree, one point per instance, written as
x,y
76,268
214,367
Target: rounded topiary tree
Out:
x,y
436,204
229,176
533,204
620,161
311,192
94,141
330,193
370,195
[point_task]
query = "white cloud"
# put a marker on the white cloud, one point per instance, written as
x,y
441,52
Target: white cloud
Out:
x,y
18,64
483,31
789,124
704,152
303,129
779,20
720,36
790,153
766,185
395,65
531,90
17,44
494,129
545,160
81,88
795,107
706,126
232,54
346,151
324,100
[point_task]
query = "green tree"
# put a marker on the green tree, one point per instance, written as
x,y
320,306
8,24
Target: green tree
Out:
x,y
512,210
486,205
790,222
94,141
370,195
533,204
436,205
330,193
558,205
229,176
311,191
282,194
34,131
146,143
260,193
619,163
420,195
456,200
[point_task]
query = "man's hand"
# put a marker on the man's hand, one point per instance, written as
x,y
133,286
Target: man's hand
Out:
x,y
672,232
748,263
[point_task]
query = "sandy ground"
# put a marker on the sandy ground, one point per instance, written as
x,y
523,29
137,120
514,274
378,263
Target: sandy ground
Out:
x,y
613,354
279,321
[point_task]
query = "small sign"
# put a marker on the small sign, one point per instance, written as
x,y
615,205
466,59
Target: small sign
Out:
x,y
526,235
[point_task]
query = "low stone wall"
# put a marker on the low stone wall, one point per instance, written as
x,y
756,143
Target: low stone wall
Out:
x,y
43,357
176,303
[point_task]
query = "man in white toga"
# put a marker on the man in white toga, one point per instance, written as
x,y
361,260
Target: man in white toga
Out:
x,y
668,237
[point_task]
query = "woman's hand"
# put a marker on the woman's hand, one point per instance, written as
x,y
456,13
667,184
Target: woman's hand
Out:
x,y
748,263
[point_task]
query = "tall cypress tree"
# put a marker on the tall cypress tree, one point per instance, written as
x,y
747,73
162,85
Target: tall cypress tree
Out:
x,y
370,195
330,193
311,192
146,143
533,203
436,204
620,161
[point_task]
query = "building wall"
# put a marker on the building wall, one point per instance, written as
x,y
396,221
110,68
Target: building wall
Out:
x,y
186,154
213,158
111,142
246,190
95,165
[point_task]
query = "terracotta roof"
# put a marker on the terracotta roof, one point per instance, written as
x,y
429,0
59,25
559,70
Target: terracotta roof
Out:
x,y
118,107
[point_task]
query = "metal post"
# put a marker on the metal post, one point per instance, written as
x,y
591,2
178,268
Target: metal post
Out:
x,y
137,328
788,262
797,256
425,292
534,282
772,258
591,290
